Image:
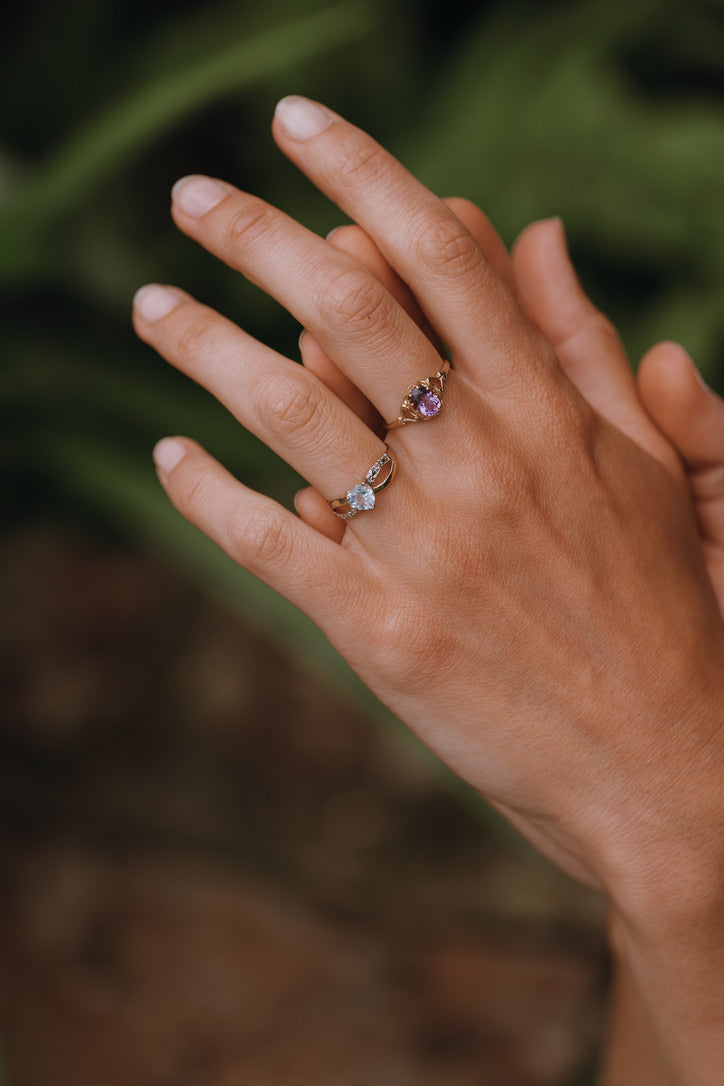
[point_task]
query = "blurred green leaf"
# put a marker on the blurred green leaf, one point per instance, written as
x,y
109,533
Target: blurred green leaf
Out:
x,y
537,116
101,144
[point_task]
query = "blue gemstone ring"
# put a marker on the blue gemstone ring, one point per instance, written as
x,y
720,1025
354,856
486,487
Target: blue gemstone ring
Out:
x,y
361,497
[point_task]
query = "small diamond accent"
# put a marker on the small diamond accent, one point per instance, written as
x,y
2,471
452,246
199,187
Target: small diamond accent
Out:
x,y
361,497
377,468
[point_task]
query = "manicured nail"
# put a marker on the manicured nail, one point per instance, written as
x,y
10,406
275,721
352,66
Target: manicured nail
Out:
x,y
302,119
154,302
196,195
168,453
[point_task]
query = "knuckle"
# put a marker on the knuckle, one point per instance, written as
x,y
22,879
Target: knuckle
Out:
x,y
291,406
354,298
603,328
195,337
259,539
406,641
249,223
191,489
362,165
445,246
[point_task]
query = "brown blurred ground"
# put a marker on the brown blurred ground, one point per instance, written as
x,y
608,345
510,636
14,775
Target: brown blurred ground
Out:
x,y
214,873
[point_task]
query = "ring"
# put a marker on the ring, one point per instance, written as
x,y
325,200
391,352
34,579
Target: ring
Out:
x,y
362,496
423,400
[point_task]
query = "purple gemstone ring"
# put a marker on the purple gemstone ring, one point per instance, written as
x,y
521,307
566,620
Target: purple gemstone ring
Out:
x,y
362,496
423,400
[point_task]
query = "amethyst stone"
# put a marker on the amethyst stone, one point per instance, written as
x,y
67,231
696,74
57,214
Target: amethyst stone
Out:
x,y
424,402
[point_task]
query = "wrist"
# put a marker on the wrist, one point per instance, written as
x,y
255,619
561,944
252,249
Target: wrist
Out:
x,y
673,964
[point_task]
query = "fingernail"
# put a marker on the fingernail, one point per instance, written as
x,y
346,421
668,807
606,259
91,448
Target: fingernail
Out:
x,y
168,453
196,195
302,334
332,232
296,499
302,119
154,302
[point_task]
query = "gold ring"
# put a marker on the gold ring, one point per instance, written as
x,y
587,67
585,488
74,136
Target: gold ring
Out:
x,y
422,400
361,497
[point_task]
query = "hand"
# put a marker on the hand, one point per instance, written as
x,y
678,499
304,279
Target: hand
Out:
x,y
540,275
529,594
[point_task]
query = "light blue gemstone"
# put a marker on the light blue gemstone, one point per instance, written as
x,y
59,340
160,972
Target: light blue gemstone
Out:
x,y
361,497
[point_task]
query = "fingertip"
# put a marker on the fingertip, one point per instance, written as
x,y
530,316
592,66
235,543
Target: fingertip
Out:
x,y
683,407
667,370
301,119
313,509
352,239
168,454
543,235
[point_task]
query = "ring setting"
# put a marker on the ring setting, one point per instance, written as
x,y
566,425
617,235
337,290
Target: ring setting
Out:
x,y
423,400
362,496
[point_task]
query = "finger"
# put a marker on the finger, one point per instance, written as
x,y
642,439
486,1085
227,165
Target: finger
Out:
x,y
552,295
688,412
318,362
427,245
315,511
272,397
356,321
353,240
278,548
487,237
692,417
585,341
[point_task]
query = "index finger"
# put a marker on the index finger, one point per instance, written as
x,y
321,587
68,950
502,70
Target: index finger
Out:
x,y
429,247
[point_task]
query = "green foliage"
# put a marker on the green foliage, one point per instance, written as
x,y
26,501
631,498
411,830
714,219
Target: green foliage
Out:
x,y
607,113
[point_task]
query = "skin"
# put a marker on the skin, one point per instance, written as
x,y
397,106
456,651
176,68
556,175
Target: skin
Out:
x,y
533,593
668,392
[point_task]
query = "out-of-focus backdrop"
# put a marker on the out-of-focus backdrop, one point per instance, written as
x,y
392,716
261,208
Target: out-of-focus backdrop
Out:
x,y
221,861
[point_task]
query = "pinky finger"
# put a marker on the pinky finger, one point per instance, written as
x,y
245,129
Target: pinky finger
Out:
x,y
322,366
257,533
314,511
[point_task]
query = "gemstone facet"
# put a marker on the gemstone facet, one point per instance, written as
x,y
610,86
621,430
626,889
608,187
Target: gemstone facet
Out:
x,y
424,402
361,497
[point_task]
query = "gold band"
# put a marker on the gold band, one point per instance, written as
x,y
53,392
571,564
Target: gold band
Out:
x,y
361,497
423,400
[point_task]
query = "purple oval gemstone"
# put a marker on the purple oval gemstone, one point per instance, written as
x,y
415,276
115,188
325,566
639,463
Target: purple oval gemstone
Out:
x,y
424,402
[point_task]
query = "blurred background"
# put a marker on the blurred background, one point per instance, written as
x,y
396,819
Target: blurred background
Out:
x,y
220,860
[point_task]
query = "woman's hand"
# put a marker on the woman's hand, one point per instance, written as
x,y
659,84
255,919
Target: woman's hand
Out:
x,y
540,275
692,418
529,593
